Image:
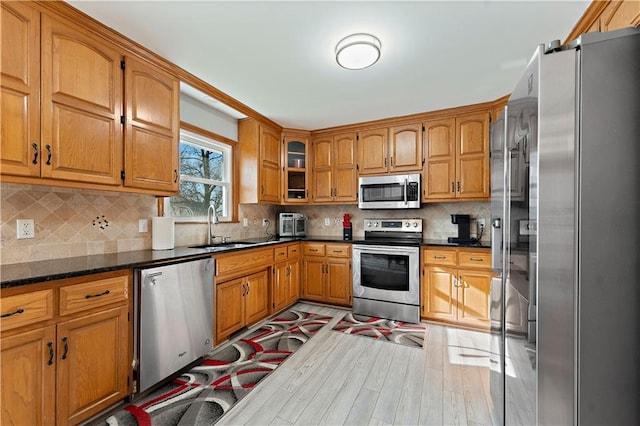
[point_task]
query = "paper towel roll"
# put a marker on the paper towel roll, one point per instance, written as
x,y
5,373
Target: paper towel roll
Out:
x,y
162,233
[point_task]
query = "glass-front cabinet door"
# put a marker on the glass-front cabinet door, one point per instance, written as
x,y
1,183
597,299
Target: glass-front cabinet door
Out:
x,y
296,169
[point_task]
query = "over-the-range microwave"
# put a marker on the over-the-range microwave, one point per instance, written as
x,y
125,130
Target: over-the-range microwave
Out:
x,y
389,192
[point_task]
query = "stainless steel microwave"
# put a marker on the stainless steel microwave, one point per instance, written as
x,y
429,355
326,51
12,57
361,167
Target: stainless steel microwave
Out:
x,y
293,225
389,192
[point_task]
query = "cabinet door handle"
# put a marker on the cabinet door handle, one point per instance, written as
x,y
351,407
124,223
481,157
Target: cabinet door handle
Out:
x,y
453,187
104,293
66,347
244,290
51,354
248,288
48,154
439,257
385,162
10,314
306,193
288,270
391,161
458,186
475,259
35,152
175,176
313,250
262,189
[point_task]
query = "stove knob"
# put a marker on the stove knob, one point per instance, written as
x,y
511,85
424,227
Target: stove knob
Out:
x,y
406,225
415,224
375,224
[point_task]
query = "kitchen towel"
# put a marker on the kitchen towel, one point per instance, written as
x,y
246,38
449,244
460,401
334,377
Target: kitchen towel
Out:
x,y
162,233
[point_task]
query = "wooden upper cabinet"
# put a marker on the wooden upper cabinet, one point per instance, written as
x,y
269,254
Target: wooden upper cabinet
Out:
x,y
335,177
390,149
345,174
372,151
270,165
472,151
20,150
438,180
405,148
152,129
620,14
322,188
296,176
259,160
81,105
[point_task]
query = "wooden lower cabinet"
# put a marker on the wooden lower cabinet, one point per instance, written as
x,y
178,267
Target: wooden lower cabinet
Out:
x,y
28,373
453,293
286,284
326,270
241,301
65,368
92,364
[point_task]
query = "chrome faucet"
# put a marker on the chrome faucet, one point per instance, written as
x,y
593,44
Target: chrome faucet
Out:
x,y
212,219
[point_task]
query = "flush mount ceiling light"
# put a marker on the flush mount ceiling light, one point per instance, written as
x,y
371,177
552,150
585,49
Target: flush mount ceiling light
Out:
x,y
358,51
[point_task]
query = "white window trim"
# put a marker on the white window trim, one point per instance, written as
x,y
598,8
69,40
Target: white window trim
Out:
x,y
195,139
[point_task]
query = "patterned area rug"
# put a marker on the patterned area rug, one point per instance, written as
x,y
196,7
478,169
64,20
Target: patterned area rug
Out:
x,y
203,394
382,329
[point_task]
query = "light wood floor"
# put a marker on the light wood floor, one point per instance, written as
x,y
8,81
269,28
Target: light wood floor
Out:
x,y
337,378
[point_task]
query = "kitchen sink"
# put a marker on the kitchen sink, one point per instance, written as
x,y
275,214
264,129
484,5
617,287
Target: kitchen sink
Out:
x,y
222,246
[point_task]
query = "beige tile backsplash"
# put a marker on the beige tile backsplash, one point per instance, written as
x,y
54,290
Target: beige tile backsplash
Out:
x,y
71,222
436,218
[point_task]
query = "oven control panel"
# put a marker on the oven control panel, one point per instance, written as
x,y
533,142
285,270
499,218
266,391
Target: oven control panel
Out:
x,y
395,225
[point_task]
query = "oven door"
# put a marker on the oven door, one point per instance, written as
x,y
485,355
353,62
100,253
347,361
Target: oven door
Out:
x,y
387,273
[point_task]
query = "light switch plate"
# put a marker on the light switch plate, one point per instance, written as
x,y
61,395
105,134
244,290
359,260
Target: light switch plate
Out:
x,y
143,225
245,222
327,221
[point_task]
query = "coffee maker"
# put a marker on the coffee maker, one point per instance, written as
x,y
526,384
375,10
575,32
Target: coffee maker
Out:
x,y
464,229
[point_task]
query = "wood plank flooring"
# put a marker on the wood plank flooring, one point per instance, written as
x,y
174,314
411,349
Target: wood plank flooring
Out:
x,y
337,378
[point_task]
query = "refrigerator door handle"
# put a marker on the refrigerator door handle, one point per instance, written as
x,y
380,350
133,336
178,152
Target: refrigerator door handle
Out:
x,y
496,244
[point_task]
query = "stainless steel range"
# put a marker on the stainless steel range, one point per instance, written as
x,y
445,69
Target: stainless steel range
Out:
x,y
386,270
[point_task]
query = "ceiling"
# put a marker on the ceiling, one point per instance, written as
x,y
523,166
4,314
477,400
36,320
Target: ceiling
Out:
x,y
278,57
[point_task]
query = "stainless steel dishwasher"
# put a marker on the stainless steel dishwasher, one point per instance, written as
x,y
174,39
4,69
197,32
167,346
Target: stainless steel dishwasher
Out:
x,y
173,318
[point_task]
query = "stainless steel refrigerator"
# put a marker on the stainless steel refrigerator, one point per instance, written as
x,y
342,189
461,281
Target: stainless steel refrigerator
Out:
x,y
565,200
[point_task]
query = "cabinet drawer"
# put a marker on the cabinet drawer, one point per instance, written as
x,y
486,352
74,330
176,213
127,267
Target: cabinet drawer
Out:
x,y
90,294
27,308
471,259
294,251
314,249
440,257
338,250
279,253
238,262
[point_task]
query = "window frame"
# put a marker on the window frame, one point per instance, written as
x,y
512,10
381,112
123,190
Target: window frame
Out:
x,y
195,135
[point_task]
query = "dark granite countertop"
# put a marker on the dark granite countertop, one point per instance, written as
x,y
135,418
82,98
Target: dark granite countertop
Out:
x,y
19,274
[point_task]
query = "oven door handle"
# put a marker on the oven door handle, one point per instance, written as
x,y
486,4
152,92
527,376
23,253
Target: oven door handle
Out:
x,y
385,249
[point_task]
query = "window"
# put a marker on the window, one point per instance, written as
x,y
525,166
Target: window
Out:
x,y
205,179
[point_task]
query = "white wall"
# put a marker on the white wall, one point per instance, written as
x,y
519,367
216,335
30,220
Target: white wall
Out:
x,y
201,115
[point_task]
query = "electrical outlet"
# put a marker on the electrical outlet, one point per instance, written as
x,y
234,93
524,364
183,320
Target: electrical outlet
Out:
x,y
255,221
245,222
481,223
143,225
338,220
265,222
327,221
26,228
